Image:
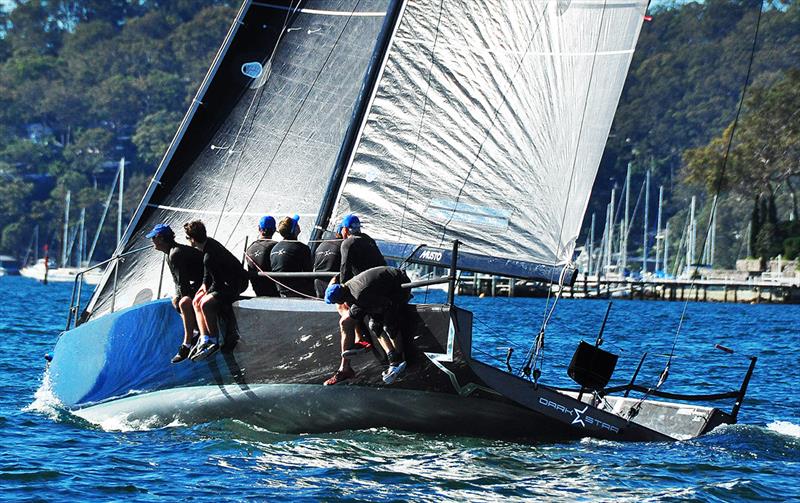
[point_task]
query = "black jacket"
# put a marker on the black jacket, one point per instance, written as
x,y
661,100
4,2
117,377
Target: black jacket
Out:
x,y
222,270
292,256
259,261
186,265
359,253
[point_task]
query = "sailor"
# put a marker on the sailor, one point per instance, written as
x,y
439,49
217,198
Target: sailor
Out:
x,y
328,258
359,251
377,293
224,279
290,255
258,258
186,266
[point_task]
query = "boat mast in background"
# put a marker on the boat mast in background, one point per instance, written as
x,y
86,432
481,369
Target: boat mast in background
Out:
x,y
65,240
106,206
121,178
646,215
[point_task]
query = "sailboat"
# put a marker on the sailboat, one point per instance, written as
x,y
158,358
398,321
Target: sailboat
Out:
x,y
46,270
466,135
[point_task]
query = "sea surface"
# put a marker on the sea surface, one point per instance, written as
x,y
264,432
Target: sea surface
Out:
x,y
48,454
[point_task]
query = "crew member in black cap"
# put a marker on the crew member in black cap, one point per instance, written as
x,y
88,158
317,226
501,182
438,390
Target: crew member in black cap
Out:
x,y
290,255
186,265
224,279
258,258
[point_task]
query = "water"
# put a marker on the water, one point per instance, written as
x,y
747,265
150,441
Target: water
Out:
x,y
46,453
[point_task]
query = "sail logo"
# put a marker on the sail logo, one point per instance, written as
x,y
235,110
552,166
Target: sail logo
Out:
x,y
578,416
436,256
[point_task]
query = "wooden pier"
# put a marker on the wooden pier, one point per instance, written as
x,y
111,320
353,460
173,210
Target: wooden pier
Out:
x,y
700,290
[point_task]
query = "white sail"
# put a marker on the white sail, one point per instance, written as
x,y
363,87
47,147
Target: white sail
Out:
x,y
489,122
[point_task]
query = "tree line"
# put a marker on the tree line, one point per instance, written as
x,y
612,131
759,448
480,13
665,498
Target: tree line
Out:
x,y
85,82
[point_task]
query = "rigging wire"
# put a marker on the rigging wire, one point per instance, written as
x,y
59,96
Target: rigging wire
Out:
x,y
718,189
256,99
538,344
257,185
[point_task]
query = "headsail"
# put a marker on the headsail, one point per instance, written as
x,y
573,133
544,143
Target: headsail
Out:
x,y
264,135
487,126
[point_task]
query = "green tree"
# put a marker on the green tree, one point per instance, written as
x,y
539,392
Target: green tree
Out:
x,y
153,135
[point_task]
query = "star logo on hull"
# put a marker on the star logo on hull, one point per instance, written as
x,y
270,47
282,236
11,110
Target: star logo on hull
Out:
x,y
578,417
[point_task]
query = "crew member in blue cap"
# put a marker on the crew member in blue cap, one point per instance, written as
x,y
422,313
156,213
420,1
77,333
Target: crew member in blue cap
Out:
x,y
328,258
290,255
224,279
378,294
258,258
359,251
186,265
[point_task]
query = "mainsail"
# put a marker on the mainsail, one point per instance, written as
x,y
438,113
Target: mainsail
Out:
x,y
263,135
487,126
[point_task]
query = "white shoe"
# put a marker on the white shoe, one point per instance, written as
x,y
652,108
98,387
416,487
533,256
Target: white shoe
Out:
x,y
393,371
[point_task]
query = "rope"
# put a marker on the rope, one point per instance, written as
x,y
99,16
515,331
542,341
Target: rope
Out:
x,y
537,347
299,109
256,98
301,294
721,176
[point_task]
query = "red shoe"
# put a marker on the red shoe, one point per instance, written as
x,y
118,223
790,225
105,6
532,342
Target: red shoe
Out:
x,y
340,376
359,348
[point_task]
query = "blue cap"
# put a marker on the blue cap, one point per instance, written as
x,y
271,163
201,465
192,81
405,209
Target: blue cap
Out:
x,y
266,224
351,222
296,219
339,229
160,230
334,293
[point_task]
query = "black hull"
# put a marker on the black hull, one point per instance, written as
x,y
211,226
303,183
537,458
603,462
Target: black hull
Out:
x,y
280,351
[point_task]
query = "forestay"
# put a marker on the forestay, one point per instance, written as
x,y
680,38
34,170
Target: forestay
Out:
x,y
272,145
488,125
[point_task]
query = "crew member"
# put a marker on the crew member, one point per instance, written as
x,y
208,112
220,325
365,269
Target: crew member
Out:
x,y
258,258
290,255
359,251
224,279
376,292
328,258
186,266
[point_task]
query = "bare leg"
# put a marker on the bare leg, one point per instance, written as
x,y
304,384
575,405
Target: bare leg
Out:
x,y
210,308
347,327
189,320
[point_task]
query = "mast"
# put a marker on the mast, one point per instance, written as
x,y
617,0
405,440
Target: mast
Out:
x,y
106,206
646,214
81,229
626,223
610,241
713,238
119,200
659,237
359,119
66,231
692,235
591,245
666,249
